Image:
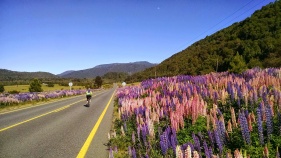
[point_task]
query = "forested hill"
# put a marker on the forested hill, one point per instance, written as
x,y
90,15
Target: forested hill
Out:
x,y
101,70
255,41
8,75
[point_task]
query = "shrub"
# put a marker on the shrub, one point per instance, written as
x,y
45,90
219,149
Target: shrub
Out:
x,y
2,89
35,86
50,85
14,92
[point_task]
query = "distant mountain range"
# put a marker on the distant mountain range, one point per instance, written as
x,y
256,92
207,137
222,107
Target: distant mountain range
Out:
x,y
8,75
100,70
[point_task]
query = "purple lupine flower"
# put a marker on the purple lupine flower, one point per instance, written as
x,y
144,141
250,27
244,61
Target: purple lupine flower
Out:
x,y
125,126
221,128
246,112
260,128
144,133
133,137
163,144
211,151
218,139
174,142
244,128
211,138
219,112
206,149
239,103
196,142
269,122
110,153
134,155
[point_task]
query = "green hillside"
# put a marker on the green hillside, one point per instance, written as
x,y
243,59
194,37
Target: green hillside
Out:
x,y
6,75
255,41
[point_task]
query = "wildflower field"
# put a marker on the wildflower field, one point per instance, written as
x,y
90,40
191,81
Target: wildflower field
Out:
x,y
7,99
213,115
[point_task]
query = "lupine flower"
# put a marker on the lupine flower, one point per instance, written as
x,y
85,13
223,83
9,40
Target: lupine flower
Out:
x,y
250,127
180,97
244,127
206,150
133,137
269,122
110,153
164,143
233,117
238,154
260,128
122,131
195,154
265,152
196,142
218,140
134,155
187,152
229,127
211,138
179,153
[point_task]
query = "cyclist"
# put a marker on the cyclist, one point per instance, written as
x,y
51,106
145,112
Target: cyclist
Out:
x,y
88,96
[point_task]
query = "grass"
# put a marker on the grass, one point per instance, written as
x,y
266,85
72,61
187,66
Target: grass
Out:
x,y
24,88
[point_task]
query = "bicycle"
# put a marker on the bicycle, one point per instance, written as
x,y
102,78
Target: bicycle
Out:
x,y
88,102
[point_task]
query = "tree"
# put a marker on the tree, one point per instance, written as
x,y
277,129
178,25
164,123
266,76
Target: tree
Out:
x,y
35,86
237,65
2,89
98,82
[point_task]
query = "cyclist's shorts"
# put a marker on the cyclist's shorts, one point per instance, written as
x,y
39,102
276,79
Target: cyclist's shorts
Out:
x,y
88,97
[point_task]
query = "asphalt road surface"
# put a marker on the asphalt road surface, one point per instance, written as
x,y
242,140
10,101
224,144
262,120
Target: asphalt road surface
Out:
x,y
60,129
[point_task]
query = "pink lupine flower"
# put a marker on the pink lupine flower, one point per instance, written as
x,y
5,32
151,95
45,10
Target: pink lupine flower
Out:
x,y
250,123
265,152
253,118
195,154
233,117
122,131
237,154
187,152
179,153
229,127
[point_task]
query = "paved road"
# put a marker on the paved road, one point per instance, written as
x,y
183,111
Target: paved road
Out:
x,y
65,128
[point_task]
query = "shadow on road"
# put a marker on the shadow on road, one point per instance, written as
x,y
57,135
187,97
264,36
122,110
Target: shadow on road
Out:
x,y
86,105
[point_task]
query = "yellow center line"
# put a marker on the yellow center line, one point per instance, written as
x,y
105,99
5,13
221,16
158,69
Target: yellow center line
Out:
x,y
56,110
86,145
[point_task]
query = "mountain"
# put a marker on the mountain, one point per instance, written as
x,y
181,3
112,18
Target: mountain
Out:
x,y
65,73
255,41
100,70
8,75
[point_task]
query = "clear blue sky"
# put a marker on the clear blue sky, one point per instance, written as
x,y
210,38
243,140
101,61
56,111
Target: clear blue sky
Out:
x,y
59,35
